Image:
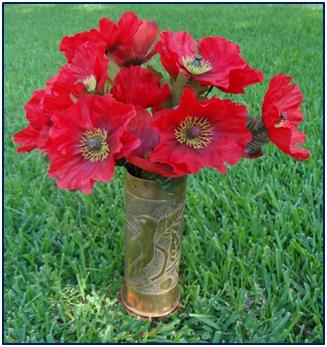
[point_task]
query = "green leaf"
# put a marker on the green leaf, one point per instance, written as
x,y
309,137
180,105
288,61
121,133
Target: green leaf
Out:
x,y
113,70
178,87
154,71
197,87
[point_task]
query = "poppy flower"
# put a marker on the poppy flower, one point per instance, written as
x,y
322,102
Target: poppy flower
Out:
x,y
201,133
70,44
87,73
136,49
212,61
149,139
141,127
35,135
62,90
109,33
128,42
138,86
113,34
90,67
281,114
86,139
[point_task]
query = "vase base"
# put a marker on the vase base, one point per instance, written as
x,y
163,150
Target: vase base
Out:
x,y
142,314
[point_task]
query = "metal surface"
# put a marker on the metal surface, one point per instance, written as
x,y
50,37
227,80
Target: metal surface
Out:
x,y
153,231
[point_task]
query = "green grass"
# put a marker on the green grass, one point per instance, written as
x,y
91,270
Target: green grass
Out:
x,y
252,252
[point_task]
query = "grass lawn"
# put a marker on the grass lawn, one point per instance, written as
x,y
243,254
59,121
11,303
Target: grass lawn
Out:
x,y
252,252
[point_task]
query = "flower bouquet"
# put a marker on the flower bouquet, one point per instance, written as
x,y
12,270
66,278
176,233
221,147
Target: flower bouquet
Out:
x,y
109,106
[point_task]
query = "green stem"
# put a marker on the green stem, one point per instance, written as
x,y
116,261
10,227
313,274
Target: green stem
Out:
x,y
209,90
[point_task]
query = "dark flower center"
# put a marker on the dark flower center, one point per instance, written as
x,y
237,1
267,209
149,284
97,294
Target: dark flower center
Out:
x,y
133,61
194,132
94,145
111,49
197,59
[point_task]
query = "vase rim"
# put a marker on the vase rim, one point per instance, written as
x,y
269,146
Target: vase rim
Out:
x,y
150,189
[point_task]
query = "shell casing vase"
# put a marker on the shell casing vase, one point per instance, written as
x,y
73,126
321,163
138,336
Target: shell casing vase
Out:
x,y
153,232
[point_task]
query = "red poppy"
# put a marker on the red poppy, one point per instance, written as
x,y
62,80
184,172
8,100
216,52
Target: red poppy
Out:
x,y
112,35
136,49
90,67
62,90
35,135
128,42
201,133
142,128
281,114
215,61
138,86
86,139
70,44
86,74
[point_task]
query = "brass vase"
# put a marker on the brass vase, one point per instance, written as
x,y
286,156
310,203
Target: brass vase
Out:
x,y
153,232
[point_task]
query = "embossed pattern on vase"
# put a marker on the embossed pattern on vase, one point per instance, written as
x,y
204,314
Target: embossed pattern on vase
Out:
x,y
152,243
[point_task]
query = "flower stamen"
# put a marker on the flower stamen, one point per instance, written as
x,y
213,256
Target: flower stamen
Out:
x,y
94,145
194,132
196,65
90,83
282,120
